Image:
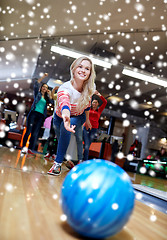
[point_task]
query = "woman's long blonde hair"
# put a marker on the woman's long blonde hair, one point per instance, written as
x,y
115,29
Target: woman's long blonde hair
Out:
x,y
88,86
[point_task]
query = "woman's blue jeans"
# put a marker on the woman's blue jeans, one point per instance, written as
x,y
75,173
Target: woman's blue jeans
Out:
x,y
64,136
88,137
34,123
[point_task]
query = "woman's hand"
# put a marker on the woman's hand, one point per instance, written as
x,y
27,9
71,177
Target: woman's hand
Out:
x,y
49,93
56,88
88,125
66,120
45,74
40,79
97,93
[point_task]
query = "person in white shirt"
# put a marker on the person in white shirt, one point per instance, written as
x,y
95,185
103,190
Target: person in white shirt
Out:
x,y
72,109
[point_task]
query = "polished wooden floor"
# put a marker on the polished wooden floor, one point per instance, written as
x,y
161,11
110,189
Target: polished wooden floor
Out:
x,y
29,203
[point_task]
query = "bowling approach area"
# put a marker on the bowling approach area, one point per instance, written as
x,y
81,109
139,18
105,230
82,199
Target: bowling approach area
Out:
x,y
30,202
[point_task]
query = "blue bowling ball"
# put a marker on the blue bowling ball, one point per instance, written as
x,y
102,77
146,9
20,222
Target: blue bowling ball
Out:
x,y
97,197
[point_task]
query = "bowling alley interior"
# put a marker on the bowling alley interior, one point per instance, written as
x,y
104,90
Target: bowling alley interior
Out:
x,y
121,191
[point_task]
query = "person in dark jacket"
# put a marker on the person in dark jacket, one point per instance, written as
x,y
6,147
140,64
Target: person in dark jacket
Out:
x,y
37,114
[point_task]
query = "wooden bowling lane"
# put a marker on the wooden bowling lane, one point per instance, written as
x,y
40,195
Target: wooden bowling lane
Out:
x,y
30,209
145,180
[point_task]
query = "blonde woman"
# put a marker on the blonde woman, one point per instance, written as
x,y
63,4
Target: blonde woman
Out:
x,y
72,109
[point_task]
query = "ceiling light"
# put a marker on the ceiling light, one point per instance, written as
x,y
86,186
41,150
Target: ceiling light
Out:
x,y
164,113
58,81
115,99
74,54
144,76
54,82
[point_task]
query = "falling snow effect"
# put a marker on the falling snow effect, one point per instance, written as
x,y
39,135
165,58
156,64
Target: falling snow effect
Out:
x,y
22,33
98,20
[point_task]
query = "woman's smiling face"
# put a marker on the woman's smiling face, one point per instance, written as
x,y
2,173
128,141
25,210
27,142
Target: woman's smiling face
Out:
x,y
82,72
44,88
95,104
